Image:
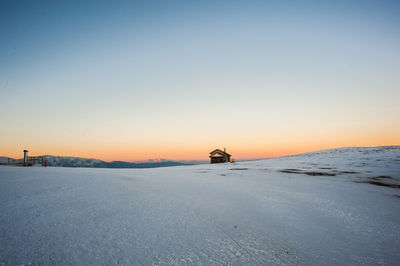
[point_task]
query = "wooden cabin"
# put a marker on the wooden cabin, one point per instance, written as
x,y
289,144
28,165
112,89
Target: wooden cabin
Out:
x,y
218,156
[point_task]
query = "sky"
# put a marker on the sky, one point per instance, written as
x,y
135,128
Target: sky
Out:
x,y
133,80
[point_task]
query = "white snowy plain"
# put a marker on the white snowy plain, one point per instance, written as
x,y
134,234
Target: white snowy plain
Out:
x,y
246,213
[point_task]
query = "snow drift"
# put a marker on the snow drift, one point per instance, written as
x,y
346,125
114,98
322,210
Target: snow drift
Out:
x,y
338,206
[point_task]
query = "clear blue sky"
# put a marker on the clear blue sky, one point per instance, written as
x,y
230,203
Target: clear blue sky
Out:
x,y
132,80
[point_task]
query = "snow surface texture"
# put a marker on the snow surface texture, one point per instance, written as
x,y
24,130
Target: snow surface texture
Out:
x,y
320,208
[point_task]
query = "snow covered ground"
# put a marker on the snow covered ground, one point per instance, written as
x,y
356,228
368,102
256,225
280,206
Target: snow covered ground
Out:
x,y
331,207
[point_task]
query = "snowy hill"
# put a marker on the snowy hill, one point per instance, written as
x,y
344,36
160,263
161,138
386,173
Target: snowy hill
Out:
x,y
67,161
333,207
62,161
5,160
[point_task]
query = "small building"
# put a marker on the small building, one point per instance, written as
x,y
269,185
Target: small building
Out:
x,y
31,160
218,156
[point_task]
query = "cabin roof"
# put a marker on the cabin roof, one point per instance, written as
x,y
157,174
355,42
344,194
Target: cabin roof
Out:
x,y
218,151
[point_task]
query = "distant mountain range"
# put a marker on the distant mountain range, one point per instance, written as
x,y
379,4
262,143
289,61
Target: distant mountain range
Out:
x,y
64,161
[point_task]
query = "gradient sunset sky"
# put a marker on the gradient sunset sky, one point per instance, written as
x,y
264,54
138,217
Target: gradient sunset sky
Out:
x,y
132,80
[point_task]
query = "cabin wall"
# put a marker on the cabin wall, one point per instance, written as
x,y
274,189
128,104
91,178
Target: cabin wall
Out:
x,y
217,159
225,159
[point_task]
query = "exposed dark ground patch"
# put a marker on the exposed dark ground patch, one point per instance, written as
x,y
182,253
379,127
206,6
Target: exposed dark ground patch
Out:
x,y
239,169
346,172
319,173
311,173
377,181
385,176
397,196
378,178
291,171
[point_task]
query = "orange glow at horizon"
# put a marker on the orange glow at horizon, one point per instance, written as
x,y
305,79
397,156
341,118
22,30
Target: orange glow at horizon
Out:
x,y
240,149
245,137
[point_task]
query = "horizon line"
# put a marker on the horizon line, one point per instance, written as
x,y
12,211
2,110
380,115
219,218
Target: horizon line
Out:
x,y
205,160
